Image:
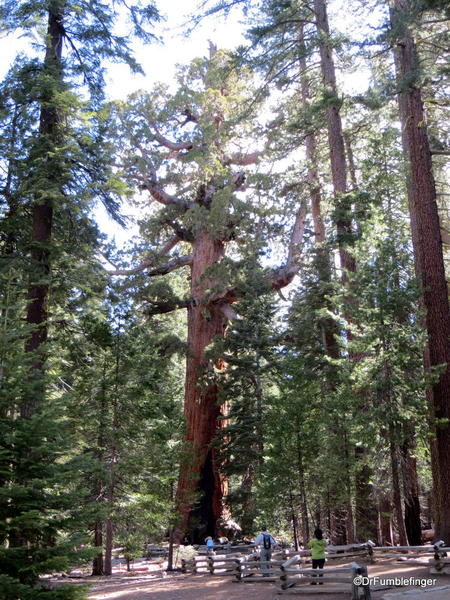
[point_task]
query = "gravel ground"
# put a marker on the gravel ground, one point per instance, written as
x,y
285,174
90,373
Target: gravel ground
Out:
x,y
203,587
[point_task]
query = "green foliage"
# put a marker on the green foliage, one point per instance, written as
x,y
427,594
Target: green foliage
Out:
x,y
10,589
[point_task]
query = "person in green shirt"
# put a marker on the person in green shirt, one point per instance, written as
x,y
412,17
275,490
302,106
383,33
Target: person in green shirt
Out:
x,y
317,545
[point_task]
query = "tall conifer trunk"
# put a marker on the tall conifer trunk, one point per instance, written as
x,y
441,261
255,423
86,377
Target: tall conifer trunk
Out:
x,y
428,257
201,487
396,493
42,210
335,134
339,178
411,491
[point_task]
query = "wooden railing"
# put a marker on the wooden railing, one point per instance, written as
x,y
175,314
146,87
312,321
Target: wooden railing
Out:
x,y
351,579
246,568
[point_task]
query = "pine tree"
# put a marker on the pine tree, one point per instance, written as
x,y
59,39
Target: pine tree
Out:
x,y
55,182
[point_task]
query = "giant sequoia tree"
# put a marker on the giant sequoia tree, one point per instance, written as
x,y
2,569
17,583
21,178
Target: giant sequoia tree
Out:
x,y
188,151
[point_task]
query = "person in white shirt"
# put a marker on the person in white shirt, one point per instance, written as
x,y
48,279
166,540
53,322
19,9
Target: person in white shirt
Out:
x,y
266,543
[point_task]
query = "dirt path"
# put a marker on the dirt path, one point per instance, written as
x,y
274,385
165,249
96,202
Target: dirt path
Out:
x,y
204,587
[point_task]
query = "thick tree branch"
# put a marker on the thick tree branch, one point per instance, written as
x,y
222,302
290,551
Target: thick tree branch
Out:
x,y
159,308
168,143
284,275
172,265
279,277
151,184
242,159
168,267
158,193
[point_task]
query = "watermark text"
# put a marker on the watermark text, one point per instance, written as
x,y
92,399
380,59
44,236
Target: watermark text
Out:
x,y
394,581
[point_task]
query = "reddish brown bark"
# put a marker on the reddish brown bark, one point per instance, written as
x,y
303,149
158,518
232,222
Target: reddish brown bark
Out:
x,y
200,474
384,522
428,256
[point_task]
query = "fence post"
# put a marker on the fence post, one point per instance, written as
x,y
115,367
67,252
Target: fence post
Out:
x,y
210,561
366,586
238,569
355,588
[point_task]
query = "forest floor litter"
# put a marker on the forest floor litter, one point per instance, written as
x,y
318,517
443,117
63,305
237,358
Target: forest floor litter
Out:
x,y
177,586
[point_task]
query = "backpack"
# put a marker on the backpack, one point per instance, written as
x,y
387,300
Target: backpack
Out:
x,y
267,542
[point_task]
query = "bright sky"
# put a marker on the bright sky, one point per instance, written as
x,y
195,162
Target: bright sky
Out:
x,y
159,60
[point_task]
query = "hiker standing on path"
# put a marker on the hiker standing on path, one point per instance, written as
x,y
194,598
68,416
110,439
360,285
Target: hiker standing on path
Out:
x,y
266,543
209,546
317,545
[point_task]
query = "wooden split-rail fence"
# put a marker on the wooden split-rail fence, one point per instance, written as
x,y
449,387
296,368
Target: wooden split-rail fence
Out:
x,y
351,579
292,575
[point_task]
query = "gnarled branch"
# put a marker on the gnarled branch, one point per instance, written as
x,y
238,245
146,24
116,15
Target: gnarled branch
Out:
x,y
172,265
168,143
284,275
168,267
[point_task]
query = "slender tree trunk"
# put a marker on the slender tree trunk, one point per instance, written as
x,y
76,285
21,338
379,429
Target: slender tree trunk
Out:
x,y
248,505
366,510
335,137
99,491
385,521
42,213
294,520
428,256
113,460
328,326
201,486
97,563
396,493
411,492
302,489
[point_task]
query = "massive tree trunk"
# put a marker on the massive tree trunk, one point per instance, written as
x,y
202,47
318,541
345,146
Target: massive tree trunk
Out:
x,y
201,486
428,256
42,210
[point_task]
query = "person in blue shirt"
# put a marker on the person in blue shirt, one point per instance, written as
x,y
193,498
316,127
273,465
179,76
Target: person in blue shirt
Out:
x,y
209,545
266,543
